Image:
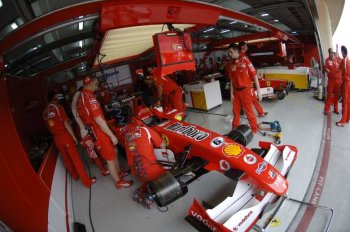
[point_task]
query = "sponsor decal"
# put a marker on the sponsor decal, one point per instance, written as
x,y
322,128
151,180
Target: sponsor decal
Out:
x,y
188,131
132,146
242,221
51,122
272,174
217,142
268,83
234,150
177,46
249,159
224,165
203,220
51,114
93,101
261,167
165,140
133,135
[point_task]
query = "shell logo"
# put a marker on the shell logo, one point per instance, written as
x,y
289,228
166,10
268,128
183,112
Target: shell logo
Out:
x,y
51,123
234,150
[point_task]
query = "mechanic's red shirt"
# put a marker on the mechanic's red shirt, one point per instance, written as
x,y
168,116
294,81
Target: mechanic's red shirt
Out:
x,y
88,108
55,117
242,72
345,68
167,84
332,68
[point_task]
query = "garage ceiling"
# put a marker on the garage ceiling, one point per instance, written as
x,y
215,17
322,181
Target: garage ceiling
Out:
x,y
75,39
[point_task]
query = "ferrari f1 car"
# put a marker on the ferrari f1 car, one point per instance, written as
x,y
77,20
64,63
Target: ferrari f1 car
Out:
x,y
192,151
274,88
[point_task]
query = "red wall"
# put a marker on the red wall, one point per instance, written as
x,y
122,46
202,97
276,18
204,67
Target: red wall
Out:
x,y
24,198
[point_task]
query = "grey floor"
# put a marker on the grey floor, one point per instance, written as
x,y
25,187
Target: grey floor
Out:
x,y
302,126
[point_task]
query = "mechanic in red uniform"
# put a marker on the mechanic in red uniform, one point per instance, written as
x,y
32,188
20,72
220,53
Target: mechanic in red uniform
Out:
x,y
92,116
243,47
333,87
169,94
65,140
345,74
86,140
242,73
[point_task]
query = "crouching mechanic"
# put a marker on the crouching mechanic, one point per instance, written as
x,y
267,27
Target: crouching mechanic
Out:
x,y
242,73
91,114
65,140
169,94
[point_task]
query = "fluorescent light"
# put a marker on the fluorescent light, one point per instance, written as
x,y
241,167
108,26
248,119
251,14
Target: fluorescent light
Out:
x,y
5,64
80,17
0,3
14,25
294,32
276,20
233,22
35,48
264,14
245,25
224,31
210,29
81,26
206,36
81,43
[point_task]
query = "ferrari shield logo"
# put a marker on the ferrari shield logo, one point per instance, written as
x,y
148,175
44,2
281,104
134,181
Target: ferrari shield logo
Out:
x,y
165,140
132,146
234,150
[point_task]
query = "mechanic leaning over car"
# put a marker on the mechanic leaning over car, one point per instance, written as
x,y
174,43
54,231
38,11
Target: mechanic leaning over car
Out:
x,y
243,48
92,116
242,73
333,86
169,94
345,75
59,125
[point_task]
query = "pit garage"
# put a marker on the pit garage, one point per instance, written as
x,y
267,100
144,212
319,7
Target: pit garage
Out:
x,y
190,167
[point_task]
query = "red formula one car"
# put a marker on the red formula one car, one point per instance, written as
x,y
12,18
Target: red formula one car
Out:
x,y
274,88
194,150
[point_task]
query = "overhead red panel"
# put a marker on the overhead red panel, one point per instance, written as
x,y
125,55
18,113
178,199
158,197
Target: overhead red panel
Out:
x,y
126,14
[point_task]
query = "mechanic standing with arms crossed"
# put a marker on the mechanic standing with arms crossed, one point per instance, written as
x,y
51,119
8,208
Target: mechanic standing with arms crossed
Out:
x,y
345,74
92,116
243,48
242,73
333,86
58,124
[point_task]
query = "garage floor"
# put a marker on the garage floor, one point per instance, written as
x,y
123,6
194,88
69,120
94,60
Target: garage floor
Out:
x,y
320,174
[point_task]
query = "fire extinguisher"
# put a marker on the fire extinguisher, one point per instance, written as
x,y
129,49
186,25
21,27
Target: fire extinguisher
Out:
x,y
320,92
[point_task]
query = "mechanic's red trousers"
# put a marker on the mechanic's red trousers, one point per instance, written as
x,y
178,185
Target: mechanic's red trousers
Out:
x,y
346,102
71,158
243,99
332,88
174,101
90,149
256,104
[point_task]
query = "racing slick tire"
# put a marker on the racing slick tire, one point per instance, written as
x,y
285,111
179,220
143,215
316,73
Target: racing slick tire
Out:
x,y
243,134
166,189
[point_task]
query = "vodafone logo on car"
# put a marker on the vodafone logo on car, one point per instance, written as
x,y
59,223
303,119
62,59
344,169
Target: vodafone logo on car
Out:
x,y
249,159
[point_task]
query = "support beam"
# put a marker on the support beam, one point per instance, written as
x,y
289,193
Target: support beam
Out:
x,y
268,7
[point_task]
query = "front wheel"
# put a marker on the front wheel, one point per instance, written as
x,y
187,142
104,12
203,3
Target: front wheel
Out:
x,y
243,135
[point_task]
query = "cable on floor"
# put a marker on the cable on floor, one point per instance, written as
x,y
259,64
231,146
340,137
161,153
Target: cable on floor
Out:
x,y
90,217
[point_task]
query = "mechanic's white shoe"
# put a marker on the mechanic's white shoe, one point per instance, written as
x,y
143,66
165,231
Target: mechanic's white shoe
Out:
x,y
228,118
